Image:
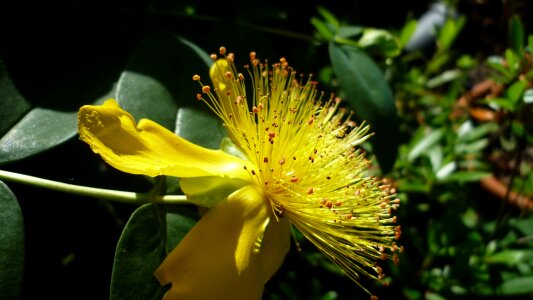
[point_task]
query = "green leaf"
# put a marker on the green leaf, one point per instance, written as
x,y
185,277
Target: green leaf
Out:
x,y
14,105
349,31
199,127
444,77
466,176
380,42
328,16
54,121
141,249
158,78
517,286
425,143
407,31
449,31
510,257
366,90
323,29
11,244
516,34
516,90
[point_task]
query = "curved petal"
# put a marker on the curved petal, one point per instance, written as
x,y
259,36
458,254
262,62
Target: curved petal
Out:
x,y
226,253
148,148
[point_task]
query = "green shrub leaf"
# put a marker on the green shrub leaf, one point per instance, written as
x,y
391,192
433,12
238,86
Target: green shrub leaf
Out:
x,y
367,91
143,245
11,244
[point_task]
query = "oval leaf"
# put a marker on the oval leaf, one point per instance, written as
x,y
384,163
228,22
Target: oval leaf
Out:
x,y
142,246
199,127
369,94
158,78
14,105
11,244
54,122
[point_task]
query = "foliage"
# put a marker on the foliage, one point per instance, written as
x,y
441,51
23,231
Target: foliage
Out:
x,y
453,136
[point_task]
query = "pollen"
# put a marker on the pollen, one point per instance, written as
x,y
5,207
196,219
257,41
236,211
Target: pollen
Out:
x,y
273,114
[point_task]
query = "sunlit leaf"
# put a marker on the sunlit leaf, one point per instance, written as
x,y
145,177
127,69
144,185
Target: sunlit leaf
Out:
x,y
366,90
425,143
11,244
407,31
516,90
381,42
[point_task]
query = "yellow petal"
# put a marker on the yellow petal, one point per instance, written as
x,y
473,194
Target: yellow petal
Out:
x,y
230,253
148,148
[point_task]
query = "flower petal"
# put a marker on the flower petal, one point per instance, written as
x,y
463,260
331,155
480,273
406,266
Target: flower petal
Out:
x,y
230,253
148,148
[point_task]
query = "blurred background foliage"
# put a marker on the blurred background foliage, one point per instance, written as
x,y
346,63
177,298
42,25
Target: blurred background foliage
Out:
x,y
447,87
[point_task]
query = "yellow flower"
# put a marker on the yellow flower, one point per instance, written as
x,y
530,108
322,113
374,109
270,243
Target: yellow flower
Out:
x,y
299,166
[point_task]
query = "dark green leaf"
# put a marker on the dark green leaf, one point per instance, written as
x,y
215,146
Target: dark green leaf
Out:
x,y
323,29
199,127
517,286
54,121
369,94
11,244
141,249
158,78
328,16
14,106
516,34
349,31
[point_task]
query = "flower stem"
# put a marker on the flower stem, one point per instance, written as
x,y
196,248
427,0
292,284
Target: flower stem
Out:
x,y
113,195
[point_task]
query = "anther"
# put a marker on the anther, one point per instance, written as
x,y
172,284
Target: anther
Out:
x,y
253,172
349,216
252,55
338,203
271,134
213,56
241,77
230,57
196,77
309,191
395,259
294,179
228,74
255,110
265,159
329,204
206,89
222,50
198,96
281,161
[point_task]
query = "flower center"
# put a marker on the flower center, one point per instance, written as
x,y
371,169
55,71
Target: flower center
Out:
x,y
304,159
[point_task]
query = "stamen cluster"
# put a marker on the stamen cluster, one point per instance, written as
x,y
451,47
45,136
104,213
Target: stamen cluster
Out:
x,y
304,158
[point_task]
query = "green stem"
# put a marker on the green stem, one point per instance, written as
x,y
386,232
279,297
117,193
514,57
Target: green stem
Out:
x,y
113,195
